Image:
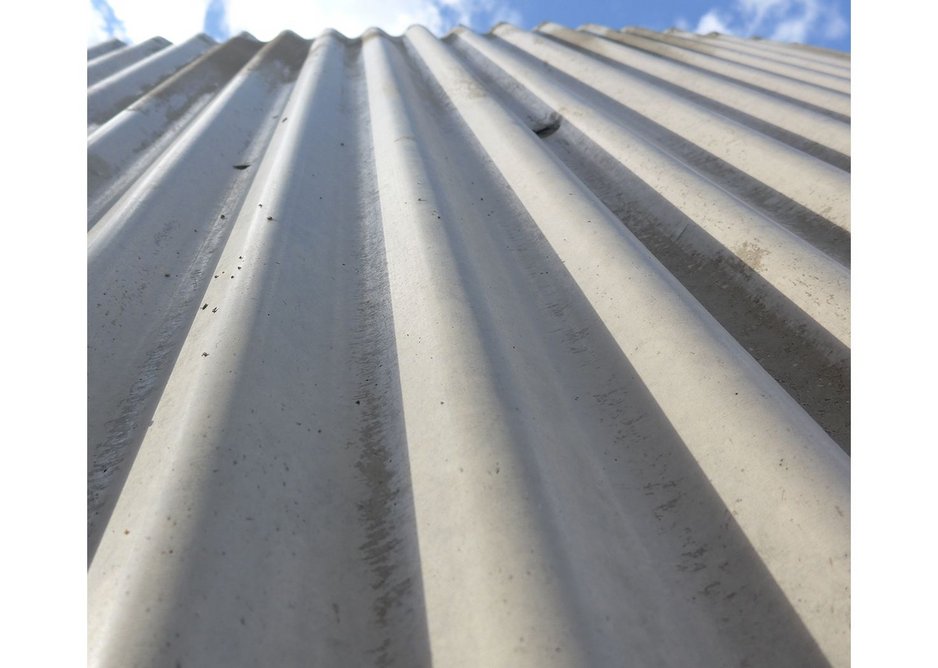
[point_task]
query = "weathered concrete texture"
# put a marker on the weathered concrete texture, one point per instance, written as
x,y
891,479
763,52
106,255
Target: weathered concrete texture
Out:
x,y
109,96
104,66
516,349
103,48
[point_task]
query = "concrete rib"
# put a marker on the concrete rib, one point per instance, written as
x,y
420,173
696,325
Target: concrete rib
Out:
x,y
775,51
829,82
109,96
104,48
792,117
814,95
114,62
811,49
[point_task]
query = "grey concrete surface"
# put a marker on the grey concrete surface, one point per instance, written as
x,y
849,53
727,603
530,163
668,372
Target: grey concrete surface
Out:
x,y
490,350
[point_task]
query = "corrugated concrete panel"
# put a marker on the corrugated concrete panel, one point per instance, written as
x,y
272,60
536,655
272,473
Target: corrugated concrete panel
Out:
x,y
106,65
109,96
515,349
695,55
103,48
777,52
793,67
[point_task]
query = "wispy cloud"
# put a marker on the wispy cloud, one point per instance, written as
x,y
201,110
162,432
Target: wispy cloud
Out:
x,y
783,20
177,20
352,17
103,24
477,14
97,28
216,20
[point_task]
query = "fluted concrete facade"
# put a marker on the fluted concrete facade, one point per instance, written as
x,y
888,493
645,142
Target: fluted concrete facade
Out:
x,y
514,349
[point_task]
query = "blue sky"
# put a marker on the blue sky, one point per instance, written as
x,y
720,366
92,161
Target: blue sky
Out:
x,y
818,22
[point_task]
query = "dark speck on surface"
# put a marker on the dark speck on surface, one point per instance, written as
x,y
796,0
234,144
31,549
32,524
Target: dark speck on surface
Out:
x,y
548,129
244,166
204,354
223,216
270,217
204,306
166,275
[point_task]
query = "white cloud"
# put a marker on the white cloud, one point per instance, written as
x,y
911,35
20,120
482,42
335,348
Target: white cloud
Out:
x,y
176,20
481,14
97,27
795,30
713,21
102,24
835,26
502,13
757,13
352,17
783,20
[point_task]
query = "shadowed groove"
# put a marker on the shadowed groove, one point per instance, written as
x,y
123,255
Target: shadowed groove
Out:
x,y
814,369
